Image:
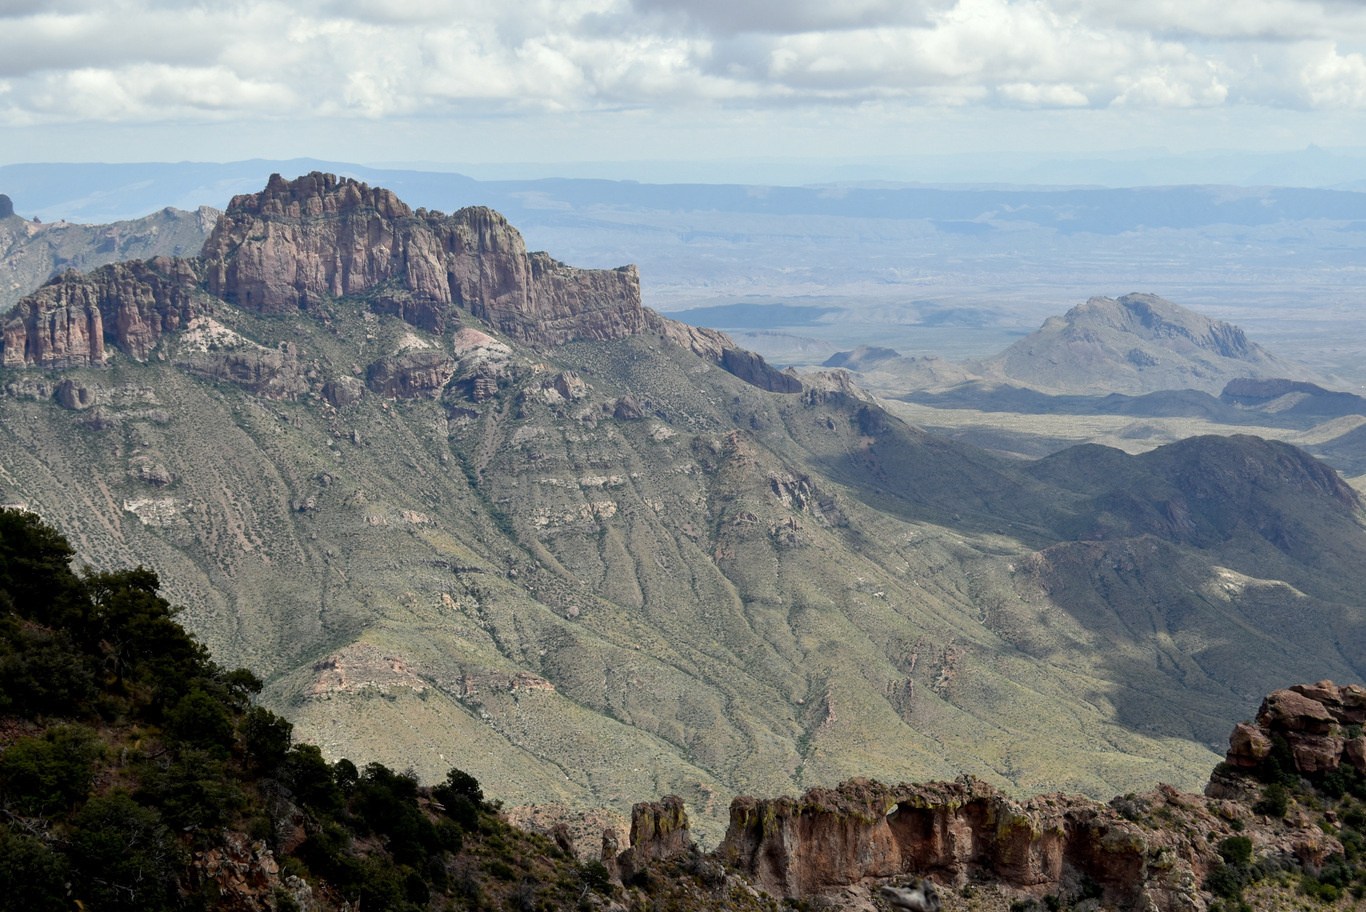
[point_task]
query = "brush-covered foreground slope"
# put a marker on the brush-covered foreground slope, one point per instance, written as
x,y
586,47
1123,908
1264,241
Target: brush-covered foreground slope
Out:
x,y
464,505
30,252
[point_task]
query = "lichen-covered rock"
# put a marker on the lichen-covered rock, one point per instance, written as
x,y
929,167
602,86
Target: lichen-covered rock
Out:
x,y
659,831
958,832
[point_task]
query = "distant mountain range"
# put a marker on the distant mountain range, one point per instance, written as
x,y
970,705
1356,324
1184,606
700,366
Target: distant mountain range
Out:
x,y
905,266
32,251
467,505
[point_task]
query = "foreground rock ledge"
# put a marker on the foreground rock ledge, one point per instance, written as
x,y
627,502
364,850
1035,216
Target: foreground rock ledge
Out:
x,y
1150,851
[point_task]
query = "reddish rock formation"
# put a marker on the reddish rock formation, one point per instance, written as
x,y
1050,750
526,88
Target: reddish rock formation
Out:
x,y
299,242
1313,719
66,322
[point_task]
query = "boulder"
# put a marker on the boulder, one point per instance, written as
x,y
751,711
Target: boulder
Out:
x,y
343,391
1291,711
1248,746
74,395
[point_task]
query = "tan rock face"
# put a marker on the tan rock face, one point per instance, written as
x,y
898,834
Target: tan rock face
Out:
x,y
959,832
298,242
1248,746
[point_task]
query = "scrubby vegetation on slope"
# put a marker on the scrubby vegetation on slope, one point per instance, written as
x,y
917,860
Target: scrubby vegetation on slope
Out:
x,y
137,775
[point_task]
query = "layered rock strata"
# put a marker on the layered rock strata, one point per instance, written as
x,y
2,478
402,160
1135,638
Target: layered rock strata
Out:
x,y
954,832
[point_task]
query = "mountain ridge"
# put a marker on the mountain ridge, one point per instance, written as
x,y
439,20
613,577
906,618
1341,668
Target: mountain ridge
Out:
x,y
632,563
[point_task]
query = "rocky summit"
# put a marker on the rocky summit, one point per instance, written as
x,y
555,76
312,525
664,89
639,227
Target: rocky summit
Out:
x,y
463,505
1135,344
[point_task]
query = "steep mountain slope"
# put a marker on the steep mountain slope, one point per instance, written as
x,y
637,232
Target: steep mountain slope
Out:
x,y
465,505
31,252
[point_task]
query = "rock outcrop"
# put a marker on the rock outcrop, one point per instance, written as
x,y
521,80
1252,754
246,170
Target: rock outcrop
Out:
x,y
67,321
955,832
721,350
415,373
1319,723
297,243
271,373
659,831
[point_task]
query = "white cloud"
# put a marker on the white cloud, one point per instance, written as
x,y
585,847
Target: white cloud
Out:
x,y
159,60
1332,80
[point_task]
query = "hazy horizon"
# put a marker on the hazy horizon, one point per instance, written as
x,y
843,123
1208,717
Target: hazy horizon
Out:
x,y
695,82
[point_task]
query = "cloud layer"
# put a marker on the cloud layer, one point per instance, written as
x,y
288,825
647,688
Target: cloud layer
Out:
x,y
166,61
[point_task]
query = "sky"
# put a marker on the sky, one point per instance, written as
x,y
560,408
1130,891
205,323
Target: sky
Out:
x,y
449,81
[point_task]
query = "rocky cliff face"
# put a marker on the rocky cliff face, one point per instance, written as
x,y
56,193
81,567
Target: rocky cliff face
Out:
x,y
957,832
1152,851
659,831
299,242
32,252
67,321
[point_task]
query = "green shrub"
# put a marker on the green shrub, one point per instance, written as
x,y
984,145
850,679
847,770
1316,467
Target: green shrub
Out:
x,y
34,876
266,738
1227,881
1235,850
201,720
1274,801
45,774
194,792
308,775
345,776
125,859
42,673
1317,889
593,876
